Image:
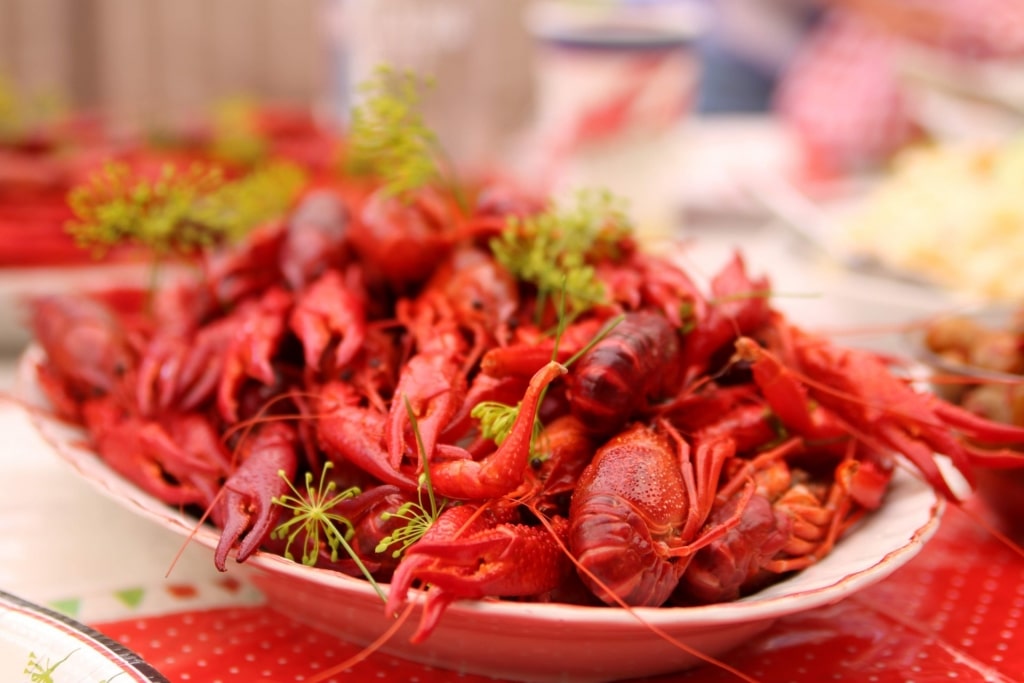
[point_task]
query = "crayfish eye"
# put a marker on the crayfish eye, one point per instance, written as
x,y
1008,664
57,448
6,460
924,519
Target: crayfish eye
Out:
x,y
476,305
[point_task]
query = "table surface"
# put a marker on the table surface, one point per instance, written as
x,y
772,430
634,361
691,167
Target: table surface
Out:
x,y
952,613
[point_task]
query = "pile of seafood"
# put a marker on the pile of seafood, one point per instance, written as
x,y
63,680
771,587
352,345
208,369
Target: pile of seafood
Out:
x,y
492,398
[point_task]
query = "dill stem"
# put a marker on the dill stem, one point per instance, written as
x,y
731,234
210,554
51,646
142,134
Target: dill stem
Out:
x,y
601,334
424,460
362,567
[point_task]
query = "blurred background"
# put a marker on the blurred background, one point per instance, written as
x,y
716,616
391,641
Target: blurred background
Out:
x,y
516,84
681,106
164,63
854,79
160,61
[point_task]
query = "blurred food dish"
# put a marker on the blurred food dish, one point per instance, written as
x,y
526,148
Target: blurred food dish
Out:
x,y
976,356
952,214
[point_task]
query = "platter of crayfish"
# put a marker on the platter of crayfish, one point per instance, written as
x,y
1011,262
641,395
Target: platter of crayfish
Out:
x,y
500,638
447,420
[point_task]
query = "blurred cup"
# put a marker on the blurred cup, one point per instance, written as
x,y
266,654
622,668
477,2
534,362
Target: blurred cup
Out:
x,y
615,82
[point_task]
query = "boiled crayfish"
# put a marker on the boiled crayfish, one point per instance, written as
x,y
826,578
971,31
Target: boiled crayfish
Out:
x,y
659,445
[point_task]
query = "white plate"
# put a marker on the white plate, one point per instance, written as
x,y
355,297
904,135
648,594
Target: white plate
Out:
x,y
46,646
533,641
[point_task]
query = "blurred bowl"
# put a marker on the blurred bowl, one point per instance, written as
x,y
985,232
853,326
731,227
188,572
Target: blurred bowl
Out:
x,y
615,83
972,347
537,641
976,359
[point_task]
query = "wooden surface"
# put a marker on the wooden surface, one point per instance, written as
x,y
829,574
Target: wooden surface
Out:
x,y
161,62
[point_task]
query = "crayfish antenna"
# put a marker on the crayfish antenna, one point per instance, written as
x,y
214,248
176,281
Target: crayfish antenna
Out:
x,y
367,651
192,533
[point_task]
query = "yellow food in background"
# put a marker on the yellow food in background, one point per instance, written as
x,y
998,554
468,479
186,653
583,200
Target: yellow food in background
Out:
x,y
953,215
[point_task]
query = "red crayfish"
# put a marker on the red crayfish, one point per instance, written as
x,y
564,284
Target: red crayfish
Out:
x,y
667,446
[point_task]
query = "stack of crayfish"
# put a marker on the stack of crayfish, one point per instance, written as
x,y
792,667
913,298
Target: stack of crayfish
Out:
x,y
660,442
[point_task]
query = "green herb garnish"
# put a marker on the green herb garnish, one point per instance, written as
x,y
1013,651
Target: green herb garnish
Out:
x,y
181,210
496,419
20,113
390,140
312,517
262,194
10,111
555,250
418,517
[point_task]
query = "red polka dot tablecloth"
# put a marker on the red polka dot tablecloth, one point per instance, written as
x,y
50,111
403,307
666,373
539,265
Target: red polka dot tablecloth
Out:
x,y
952,614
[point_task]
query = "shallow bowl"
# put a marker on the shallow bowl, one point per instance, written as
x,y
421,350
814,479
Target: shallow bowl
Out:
x,y
996,317
995,393
533,641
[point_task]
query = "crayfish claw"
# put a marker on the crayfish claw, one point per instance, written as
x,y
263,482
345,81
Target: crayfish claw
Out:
x,y
246,512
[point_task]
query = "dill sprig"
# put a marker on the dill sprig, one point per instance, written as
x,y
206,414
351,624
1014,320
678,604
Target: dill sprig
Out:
x,y
390,140
182,209
495,419
312,517
262,194
11,117
555,250
388,137
418,517
114,206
